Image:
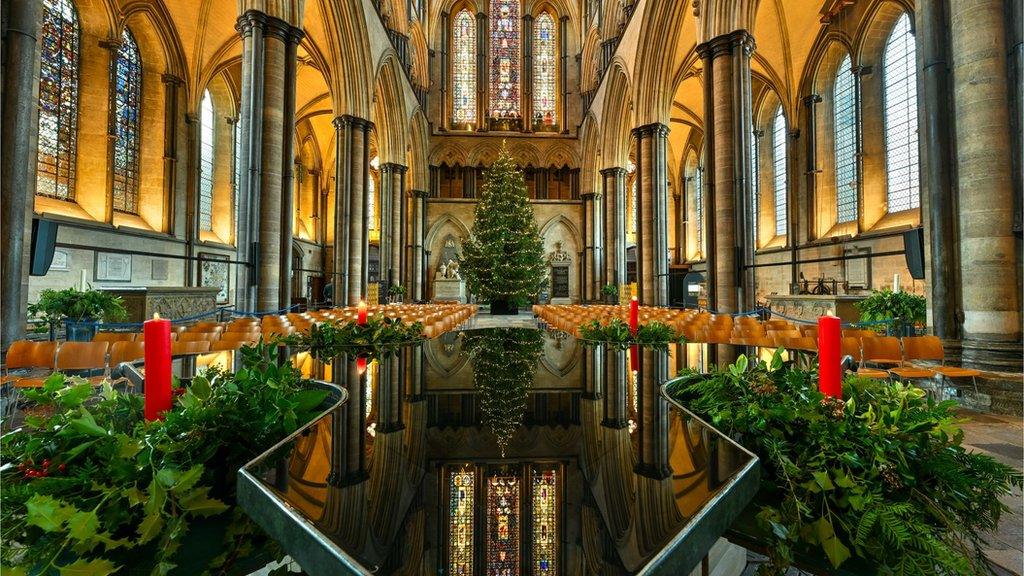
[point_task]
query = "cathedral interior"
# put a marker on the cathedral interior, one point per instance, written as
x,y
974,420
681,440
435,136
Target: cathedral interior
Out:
x,y
260,155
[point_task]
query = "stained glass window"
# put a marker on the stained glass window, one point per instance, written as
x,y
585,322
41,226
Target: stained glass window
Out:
x,y
633,207
899,78
371,200
58,101
503,525
844,102
698,193
504,94
545,59
127,107
545,522
206,154
779,170
464,68
755,183
460,522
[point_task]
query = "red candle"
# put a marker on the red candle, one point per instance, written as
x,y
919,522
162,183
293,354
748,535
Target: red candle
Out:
x,y
634,316
634,358
361,319
829,373
361,365
157,354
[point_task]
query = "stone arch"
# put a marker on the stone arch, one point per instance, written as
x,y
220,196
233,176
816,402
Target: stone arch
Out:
x,y
590,60
419,138
560,229
445,220
152,26
617,117
590,153
389,118
420,73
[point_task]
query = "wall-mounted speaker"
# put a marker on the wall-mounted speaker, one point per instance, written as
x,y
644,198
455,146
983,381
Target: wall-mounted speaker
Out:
x,y
44,239
913,248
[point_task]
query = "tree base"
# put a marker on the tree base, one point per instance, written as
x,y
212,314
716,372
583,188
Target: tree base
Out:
x,y
504,308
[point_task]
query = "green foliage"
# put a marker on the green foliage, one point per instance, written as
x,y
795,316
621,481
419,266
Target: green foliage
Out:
x,y
77,305
880,478
616,333
504,361
902,308
504,256
379,335
97,488
610,290
396,290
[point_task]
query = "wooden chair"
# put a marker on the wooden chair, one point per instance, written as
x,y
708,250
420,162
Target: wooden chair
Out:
x,y
29,355
141,337
85,357
882,350
113,337
242,337
225,344
190,347
929,348
205,326
126,352
196,336
850,346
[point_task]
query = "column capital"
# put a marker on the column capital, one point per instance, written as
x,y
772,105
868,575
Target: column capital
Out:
x,y
250,20
652,129
726,44
419,193
357,122
276,28
811,99
394,167
171,79
113,44
528,18
588,196
613,171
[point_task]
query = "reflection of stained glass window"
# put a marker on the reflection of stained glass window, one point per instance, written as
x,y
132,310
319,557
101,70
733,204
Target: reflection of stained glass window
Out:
x,y
779,168
464,68
504,95
544,62
698,192
899,78
633,212
545,522
371,200
503,525
58,101
206,131
845,117
460,522
127,99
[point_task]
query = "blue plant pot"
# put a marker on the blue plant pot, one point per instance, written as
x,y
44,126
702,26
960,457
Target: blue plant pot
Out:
x,y
80,330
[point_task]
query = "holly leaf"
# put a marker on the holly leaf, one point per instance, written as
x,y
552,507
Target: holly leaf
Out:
x,y
82,567
83,525
135,496
168,477
74,396
835,550
13,571
187,480
821,477
199,502
307,400
86,424
200,388
163,569
150,527
47,513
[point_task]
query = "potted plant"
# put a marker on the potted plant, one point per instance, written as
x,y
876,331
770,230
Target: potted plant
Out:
x,y
79,309
900,311
396,292
611,293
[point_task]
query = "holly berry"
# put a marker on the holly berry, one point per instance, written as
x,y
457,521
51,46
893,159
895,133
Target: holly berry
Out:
x,y
46,463
61,468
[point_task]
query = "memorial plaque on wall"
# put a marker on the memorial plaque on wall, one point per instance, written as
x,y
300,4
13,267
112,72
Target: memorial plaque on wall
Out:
x,y
560,282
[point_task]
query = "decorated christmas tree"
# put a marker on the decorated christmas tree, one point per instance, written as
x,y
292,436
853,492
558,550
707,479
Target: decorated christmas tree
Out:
x,y
503,260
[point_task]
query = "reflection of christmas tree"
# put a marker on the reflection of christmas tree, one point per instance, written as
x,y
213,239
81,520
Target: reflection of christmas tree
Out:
x,y
503,259
504,360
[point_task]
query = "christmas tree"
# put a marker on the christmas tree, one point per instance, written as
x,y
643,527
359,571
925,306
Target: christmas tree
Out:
x,y
503,260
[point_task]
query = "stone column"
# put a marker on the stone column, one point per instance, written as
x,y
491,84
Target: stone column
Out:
x,y
172,103
287,210
586,262
250,27
615,414
358,222
387,231
342,137
988,264
727,114
18,176
396,240
614,228
652,205
527,73
597,239
403,232
482,68
811,172
937,160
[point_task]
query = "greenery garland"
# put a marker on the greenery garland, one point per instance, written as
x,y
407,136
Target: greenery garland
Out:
x,y
616,333
504,362
94,488
880,479
899,308
379,336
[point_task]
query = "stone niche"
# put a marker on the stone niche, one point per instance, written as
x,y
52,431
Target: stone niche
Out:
x,y
560,283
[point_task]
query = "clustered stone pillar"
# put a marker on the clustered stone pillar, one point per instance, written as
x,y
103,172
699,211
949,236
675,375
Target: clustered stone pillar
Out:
x,y
652,208
419,198
384,206
727,106
268,114
615,399
19,164
614,192
394,231
652,416
563,73
443,60
587,220
988,249
358,174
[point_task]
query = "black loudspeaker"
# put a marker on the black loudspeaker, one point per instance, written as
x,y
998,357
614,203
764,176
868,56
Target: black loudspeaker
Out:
x,y
676,289
913,248
44,239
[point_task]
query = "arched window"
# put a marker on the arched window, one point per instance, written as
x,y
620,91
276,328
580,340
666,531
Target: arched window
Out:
x,y
779,170
634,216
371,199
206,158
464,68
127,75
58,101
755,182
844,112
698,195
505,59
545,58
899,89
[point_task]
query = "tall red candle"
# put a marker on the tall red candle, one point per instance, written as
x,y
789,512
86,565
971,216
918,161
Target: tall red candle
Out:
x,y
634,316
361,364
829,372
634,358
361,318
157,354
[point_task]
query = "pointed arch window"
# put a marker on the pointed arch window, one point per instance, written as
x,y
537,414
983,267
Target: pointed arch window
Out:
x,y
58,101
461,494
844,111
206,160
464,68
899,90
779,170
545,59
505,59
502,540
127,108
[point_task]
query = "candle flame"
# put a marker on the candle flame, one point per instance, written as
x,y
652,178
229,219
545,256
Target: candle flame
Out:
x,y
362,303
156,315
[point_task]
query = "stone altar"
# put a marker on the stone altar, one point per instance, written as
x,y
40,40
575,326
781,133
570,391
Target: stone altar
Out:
x,y
450,289
171,302
810,306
